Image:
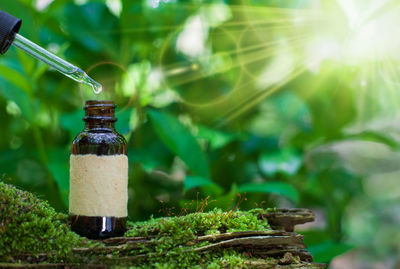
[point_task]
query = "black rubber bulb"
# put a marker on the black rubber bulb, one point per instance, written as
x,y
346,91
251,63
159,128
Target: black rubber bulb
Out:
x,y
9,27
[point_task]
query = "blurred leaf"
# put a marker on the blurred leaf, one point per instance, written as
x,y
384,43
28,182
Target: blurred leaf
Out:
x,y
285,161
30,172
180,141
122,125
58,164
377,136
145,158
208,186
146,149
72,122
193,182
15,78
380,129
20,97
227,202
328,250
9,160
90,24
276,187
355,156
230,200
283,112
217,139
314,236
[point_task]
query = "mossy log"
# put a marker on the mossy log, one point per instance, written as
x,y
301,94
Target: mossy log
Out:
x,y
261,238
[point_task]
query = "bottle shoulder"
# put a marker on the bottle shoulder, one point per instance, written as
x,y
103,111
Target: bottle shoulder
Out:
x,y
99,137
100,142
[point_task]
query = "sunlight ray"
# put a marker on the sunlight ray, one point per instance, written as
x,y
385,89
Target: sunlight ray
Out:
x,y
259,97
269,22
263,29
251,57
393,74
255,9
265,45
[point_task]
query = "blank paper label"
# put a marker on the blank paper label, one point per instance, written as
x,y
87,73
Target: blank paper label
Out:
x,y
98,185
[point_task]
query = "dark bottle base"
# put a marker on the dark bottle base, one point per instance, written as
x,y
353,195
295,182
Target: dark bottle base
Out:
x,y
98,227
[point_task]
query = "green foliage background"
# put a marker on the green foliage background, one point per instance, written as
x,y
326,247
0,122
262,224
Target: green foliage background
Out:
x,y
319,142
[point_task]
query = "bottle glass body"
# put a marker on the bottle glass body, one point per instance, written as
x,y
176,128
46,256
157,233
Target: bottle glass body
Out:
x,y
98,175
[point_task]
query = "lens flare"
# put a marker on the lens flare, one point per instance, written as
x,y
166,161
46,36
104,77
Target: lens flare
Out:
x,y
260,49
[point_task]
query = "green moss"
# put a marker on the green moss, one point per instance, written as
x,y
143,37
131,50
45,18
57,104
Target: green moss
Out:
x,y
172,234
189,226
30,225
225,259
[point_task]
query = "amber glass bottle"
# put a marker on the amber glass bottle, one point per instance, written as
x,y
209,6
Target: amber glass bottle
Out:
x,y
98,175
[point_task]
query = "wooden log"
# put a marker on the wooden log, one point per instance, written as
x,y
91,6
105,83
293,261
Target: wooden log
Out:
x,y
278,251
286,219
256,242
122,240
262,264
225,236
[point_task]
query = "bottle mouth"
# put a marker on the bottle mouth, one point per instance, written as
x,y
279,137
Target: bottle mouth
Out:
x,y
99,104
99,111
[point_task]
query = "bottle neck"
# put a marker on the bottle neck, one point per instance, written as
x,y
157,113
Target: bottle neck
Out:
x,y
95,124
99,114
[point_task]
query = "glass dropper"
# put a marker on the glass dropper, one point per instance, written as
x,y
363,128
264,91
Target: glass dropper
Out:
x,y
56,62
9,27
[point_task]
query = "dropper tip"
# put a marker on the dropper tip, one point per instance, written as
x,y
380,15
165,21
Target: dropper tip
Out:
x,y
97,88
